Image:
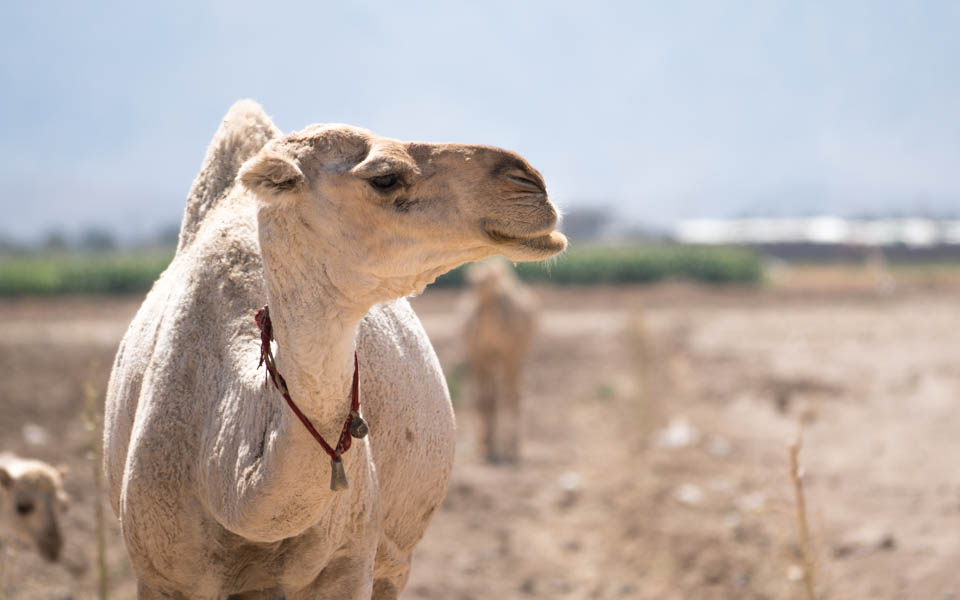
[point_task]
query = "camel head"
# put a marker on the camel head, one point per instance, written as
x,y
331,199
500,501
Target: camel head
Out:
x,y
31,502
401,213
489,277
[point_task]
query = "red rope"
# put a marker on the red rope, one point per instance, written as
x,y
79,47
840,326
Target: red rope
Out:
x,y
266,357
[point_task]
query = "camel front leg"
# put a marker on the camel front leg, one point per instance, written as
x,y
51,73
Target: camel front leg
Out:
x,y
150,592
389,589
344,578
262,595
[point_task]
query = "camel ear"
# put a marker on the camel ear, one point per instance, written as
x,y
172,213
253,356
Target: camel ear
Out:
x,y
5,479
270,173
63,500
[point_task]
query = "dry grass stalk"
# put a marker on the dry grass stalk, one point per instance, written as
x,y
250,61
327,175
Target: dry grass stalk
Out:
x,y
93,421
796,474
3,571
649,376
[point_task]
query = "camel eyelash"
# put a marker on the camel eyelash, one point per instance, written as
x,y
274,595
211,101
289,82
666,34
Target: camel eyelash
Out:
x,y
384,183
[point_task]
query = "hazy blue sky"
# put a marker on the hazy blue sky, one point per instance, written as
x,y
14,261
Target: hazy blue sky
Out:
x,y
665,110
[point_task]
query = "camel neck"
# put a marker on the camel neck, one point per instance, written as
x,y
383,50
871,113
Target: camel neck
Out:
x,y
315,327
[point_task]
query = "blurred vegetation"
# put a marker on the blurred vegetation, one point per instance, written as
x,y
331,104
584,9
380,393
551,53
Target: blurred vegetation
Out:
x,y
640,263
53,273
115,272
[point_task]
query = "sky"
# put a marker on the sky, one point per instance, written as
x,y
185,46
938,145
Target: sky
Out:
x,y
659,111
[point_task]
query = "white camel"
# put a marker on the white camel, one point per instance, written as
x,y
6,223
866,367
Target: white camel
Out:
x,y
220,488
31,503
501,317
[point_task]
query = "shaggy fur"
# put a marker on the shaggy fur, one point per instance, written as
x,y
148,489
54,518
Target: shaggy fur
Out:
x,y
220,490
31,502
501,319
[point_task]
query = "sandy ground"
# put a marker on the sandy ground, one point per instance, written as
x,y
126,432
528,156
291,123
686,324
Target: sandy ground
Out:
x,y
655,461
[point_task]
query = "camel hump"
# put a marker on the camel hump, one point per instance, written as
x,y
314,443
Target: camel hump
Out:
x,y
245,129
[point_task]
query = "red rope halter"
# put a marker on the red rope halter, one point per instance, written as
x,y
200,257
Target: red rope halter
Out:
x,y
353,427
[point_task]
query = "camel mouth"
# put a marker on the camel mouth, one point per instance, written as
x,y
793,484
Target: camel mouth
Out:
x,y
50,548
528,248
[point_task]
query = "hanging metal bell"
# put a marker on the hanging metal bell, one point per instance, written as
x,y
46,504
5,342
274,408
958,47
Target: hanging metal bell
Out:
x,y
358,427
338,476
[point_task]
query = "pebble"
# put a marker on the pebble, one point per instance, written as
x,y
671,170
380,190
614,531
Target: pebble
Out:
x,y
688,494
794,573
751,502
719,446
678,434
35,435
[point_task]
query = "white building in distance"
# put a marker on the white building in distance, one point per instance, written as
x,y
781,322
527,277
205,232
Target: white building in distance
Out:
x,y
912,232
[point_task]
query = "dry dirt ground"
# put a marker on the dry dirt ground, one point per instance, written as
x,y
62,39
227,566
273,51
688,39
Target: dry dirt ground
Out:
x,y
655,461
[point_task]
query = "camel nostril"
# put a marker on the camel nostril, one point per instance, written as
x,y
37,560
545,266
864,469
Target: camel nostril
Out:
x,y
527,183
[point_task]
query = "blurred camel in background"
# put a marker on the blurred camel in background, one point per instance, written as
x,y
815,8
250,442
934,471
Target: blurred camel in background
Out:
x,y
31,502
499,328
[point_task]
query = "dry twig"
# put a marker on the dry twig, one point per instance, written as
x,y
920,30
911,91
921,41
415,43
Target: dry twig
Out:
x,y
796,474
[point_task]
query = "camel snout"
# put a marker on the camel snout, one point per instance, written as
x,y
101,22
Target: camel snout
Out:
x,y
525,209
523,216
50,543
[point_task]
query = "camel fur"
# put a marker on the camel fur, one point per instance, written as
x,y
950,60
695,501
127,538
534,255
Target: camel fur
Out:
x,y
32,501
500,324
220,490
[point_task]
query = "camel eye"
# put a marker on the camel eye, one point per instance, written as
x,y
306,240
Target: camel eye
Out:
x,y
384,182
24,508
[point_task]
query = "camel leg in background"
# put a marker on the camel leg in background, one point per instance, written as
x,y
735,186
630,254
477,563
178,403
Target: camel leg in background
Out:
x,y
485,384
511,413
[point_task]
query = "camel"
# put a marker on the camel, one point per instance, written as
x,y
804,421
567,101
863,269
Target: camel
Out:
x,y
32,500
221,490
498,331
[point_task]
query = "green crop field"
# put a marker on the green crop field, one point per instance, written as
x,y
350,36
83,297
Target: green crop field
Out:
x,y
133,272
95,273
648,263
